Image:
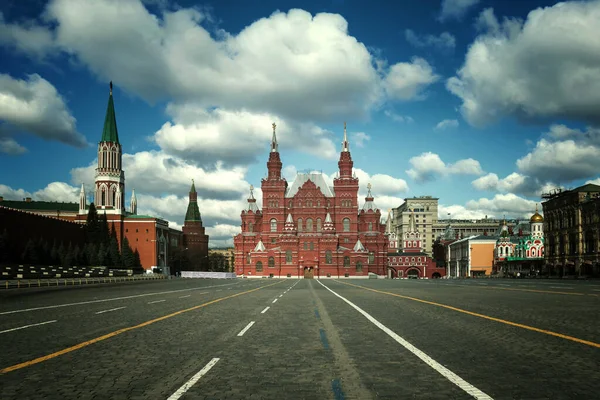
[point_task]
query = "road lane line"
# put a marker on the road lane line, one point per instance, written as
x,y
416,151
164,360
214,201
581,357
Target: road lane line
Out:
x,y
186,386
27,326
123,330
156,301
112,309
183,297
265,310
274,300
526,290
445,372
246,328
112,299
280,295
502,321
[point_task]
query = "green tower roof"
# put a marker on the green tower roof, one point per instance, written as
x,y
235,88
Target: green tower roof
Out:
x,y
110,133
193,212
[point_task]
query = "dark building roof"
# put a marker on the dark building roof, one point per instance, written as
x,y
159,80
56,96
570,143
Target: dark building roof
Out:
x,y
40,205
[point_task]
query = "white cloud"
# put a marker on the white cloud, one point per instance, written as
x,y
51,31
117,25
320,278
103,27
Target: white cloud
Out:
x,y
295,65
11,147
447,123
235,137
29,39
407,81
455,9
9,193
508,68
500,205
35,106
444,41
398,118
428,166
359,138
514,183
564,155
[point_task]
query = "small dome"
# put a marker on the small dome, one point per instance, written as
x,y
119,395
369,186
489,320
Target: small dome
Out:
x,y
536,218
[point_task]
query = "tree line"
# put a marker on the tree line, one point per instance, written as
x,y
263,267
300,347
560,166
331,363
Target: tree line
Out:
x,y
101,248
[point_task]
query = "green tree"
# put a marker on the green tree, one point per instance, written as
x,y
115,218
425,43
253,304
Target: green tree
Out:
x,y
104,235
76,256
30,253
54,259
68,257
92,225
101,254
128,257
113,249
5,256
137,261
61,252
91,252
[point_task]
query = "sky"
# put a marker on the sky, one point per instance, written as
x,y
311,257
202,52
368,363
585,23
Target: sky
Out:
x,y
483,104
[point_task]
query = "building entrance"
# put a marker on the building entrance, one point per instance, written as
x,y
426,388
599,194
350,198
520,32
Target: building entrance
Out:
x,y
309,273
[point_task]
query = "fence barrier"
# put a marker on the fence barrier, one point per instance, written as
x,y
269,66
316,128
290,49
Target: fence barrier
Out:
x,y
33,283
208,275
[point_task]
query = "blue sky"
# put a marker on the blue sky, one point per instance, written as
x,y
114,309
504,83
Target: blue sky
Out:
x,y
484,104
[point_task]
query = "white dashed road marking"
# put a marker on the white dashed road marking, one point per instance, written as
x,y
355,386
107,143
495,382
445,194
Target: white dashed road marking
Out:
x,y
445,372
112,309
246,329
183,297
27,326
274,300
156,301
186,386
265,310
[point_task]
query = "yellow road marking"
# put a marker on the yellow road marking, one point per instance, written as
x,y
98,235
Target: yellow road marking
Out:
x,y
120,331
531,290
502,321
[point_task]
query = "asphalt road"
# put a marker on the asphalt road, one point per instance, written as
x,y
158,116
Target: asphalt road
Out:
x,y
303,339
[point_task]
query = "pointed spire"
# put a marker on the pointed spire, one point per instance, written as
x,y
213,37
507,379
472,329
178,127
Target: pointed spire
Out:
x,y
252,201
359,246
260,246
345,142
274,145
412,225
118,199
193,212
252,192
289,219
193,188
133,205
110,132
82,200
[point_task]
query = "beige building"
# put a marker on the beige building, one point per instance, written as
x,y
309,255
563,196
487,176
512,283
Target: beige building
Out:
x,y
572,232
227,255
432,228
470,257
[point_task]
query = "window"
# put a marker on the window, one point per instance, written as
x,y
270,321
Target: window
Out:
x,y
305,245
273,225
318,224
250,227
299,224
358,266
146,230
259,266
346,262
309,225
371,258
328,258
271,262
248,259
318,203
273,240
370,226
103,197
288,256
346,224
312,247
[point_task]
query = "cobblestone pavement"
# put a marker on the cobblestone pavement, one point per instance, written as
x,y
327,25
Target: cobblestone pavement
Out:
x,y
303,339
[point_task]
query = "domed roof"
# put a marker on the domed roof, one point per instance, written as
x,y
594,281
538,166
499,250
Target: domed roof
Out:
x,y
535,218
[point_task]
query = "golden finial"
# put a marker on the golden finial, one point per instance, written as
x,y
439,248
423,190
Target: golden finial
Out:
x,y
251,188
536,207
274,126
369,186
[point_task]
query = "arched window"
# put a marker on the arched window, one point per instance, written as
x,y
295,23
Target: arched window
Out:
x,y
114,197
305,245
273,225
409,244
309,225
371,258
288,256
318,224
271,262
346,224
312,247
259,266
346,262
299,224
328,258
370,226
250,227
103,197
248,258
358,266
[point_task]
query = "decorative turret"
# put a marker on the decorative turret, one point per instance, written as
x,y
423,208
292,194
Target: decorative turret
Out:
x,y
274,164
133,205
369,204
289,226
328,226
193,212
345,163
82,200
537,224
110,177
359,246
252,201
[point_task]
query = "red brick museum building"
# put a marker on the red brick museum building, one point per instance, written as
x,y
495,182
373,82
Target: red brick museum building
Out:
x,y
310,229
